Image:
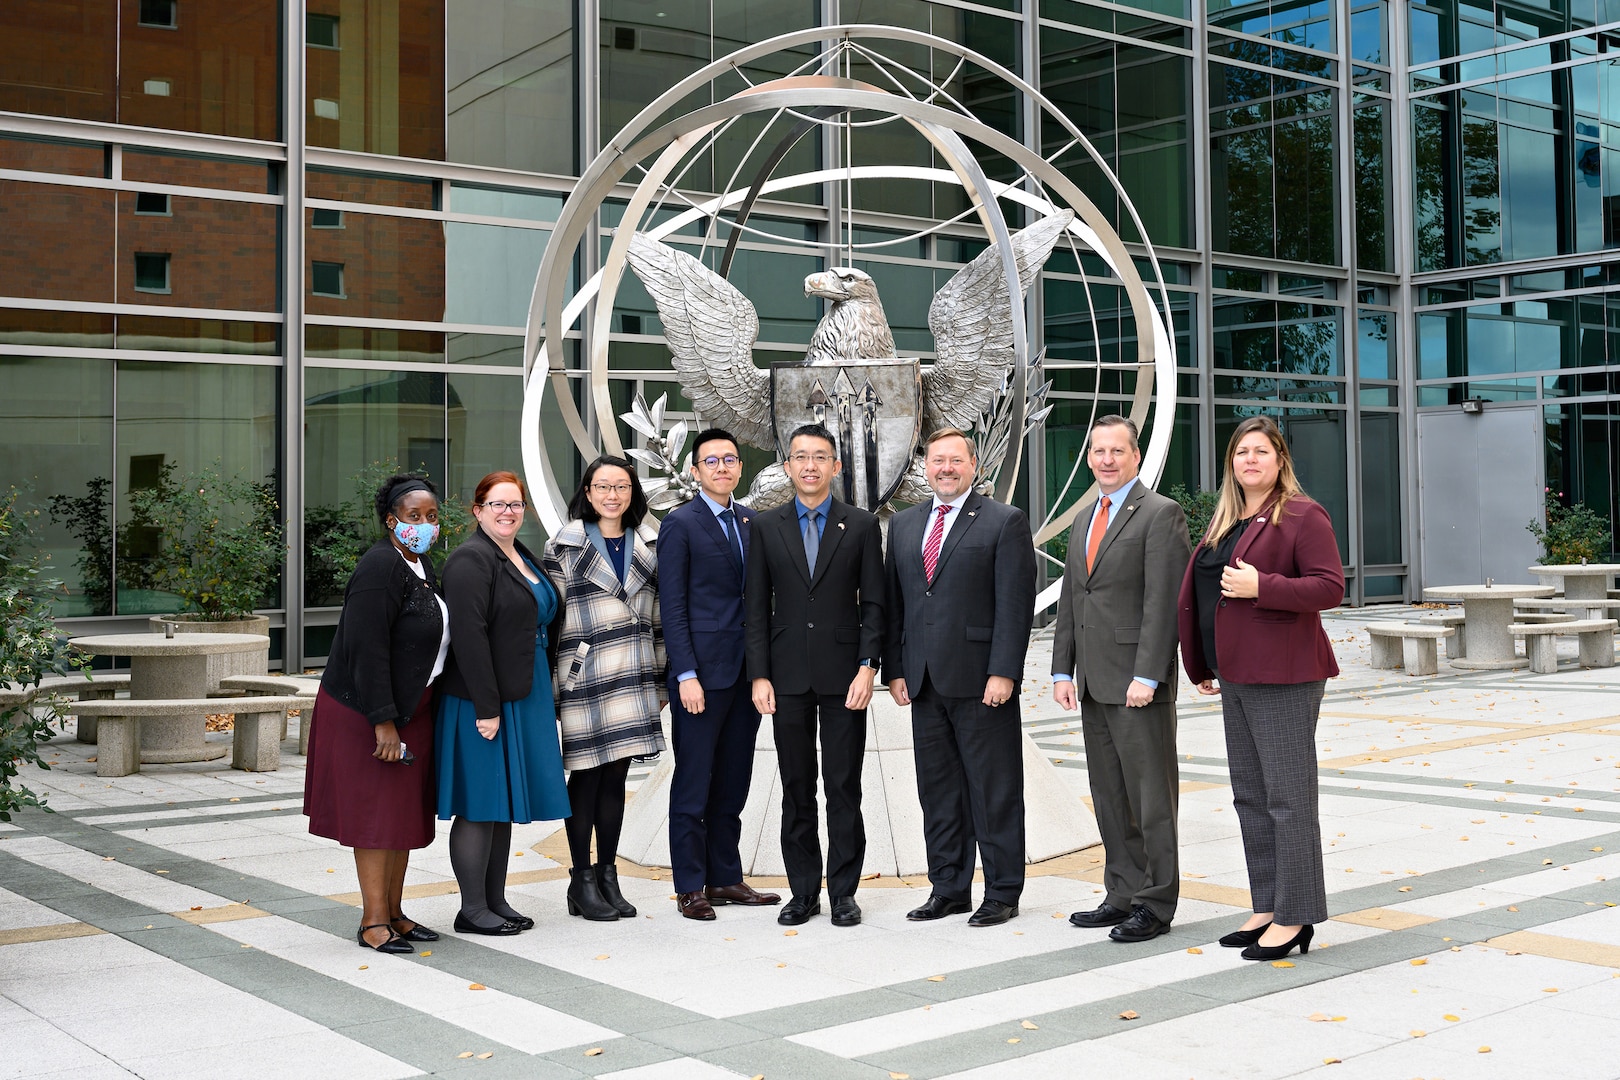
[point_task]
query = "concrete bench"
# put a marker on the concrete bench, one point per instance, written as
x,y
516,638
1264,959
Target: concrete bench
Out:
x,y
1543,617
1408,645
1456,646
1596,637
61,691
273,684
255,743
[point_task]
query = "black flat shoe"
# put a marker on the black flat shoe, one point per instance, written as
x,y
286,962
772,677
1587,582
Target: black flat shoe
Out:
x,y
993,913
797,911
507,928
1242,939
1143,925
845,911
937,907
1105,914
1258,951
417,932
394,944
522,922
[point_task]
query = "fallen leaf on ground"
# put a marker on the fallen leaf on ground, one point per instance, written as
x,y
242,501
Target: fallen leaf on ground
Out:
x,y
1331,1061
1453,1018
1405,888
196,907
1129,1014
1484,1049
1549,989
465,1054
1419,962
595,1051
892,1076
1015,1040
603,956
1282,963
1319,1017
486,1055
1196,951
1027,1026
936,978
1417,1033
364,966
790,933
425,952
477,986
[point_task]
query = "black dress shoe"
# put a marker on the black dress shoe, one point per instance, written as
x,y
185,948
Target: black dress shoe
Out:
x,y
993,913
845,911
797,911
1143,925
1258,951
465,925
417,932
393,944
937,907
1105,914
1242,939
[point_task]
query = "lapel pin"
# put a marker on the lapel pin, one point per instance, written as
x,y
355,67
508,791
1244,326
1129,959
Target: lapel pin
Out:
x,y
840,525
973,513
745,521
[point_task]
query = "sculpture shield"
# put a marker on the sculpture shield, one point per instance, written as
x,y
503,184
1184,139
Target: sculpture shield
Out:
x,y
873,409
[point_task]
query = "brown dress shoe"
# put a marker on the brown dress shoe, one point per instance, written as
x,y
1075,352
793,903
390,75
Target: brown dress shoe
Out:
x,y
741,893
694,905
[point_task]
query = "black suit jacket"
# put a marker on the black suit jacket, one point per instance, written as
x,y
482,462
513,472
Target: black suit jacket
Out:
x,y
808,633
493,624
973,621
700,591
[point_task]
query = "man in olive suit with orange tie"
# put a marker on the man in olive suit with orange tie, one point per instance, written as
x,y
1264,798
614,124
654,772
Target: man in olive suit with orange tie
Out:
x,y
1114,653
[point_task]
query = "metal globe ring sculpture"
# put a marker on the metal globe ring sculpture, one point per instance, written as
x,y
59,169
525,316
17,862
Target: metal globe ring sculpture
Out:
x,y
812,99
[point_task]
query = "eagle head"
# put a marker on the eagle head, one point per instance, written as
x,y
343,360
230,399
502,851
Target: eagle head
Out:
x,y
841,283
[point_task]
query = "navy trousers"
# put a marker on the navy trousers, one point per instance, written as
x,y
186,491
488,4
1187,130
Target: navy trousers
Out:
x,y
714,760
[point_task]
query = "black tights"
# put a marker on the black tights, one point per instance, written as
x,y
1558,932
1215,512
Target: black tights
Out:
x,y
478,854
596,802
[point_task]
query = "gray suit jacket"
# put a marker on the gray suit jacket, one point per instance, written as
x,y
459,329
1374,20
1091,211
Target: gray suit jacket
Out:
x,y
1119,620
973,621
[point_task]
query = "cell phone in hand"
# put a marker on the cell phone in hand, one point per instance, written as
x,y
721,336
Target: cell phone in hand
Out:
x,y
405,755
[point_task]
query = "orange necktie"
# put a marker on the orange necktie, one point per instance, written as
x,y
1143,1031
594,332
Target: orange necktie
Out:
x,y
1099,526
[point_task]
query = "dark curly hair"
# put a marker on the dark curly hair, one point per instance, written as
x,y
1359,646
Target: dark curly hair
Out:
x,y
394,488
580,505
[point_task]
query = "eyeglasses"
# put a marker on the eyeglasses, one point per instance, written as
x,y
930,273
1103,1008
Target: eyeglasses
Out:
x,y
802,458
611,489
713,462
502,507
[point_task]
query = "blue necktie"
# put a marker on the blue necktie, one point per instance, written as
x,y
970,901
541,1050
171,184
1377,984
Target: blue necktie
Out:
x,y
812,539
728,521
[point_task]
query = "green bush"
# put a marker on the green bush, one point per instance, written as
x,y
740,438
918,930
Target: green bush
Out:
x,y
220,545
30,649
1199,506
1571,533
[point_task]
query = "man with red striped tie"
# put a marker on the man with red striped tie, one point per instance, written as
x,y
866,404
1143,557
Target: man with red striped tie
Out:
x,y
961,571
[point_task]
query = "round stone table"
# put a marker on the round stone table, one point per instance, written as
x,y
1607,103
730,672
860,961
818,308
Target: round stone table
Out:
x,y
163,667
1487,614
1582,581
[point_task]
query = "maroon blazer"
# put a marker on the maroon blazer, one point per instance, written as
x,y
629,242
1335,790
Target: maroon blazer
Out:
x,y
1277,637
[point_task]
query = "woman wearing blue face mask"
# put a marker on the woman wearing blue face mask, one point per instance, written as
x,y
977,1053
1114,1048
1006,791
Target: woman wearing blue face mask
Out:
x,y
499,758
369,777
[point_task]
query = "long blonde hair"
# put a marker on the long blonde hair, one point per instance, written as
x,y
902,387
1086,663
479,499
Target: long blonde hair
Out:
x,y
1229,502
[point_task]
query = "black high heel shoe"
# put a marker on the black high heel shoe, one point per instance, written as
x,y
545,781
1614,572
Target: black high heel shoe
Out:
x,y
1258,951
1241,939
393,944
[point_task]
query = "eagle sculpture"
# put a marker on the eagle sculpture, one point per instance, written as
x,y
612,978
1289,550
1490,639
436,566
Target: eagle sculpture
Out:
x,y
711,328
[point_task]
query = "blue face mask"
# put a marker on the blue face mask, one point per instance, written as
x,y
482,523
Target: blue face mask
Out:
x,y
416,537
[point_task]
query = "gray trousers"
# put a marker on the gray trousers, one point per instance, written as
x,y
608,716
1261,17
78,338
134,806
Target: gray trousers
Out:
x,y
1135,791
1271,753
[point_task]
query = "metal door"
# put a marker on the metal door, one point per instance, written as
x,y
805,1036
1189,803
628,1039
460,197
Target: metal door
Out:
x,y
1479,484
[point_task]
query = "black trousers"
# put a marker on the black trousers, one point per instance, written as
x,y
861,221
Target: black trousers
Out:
x,y
843,750
970,781
714,762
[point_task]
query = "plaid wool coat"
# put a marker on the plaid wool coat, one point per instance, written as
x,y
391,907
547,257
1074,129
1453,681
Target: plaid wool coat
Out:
x,y
609,684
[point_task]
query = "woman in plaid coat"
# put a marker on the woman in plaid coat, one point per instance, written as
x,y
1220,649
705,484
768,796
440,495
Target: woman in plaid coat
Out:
x,y
610,670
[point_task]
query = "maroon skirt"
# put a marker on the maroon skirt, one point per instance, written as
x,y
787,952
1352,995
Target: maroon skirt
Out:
x,y
359,801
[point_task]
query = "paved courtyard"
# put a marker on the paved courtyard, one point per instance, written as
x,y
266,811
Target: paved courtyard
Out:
x,y
182,923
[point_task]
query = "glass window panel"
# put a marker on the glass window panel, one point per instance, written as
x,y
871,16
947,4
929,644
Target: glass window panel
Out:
x,y
193,416
221,66
490,272
151,272
498,349
221,254
1481,193
1529,193
645,52
52,155
1373,345
75,225
197,170
1372,185
65,329
60,59
1241,173
383,91
343,186
1431,140
505,202
483,423
56,427
509,76
1440,345
1381,484
774,281
374,343
906,292
198,335
322,31
1367,34
393,268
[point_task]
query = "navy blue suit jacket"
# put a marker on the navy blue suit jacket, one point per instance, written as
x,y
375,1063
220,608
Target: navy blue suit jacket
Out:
x,y
700,593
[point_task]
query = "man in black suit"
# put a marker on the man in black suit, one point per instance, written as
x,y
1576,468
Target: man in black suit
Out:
x,y
702,554
815,629
961,572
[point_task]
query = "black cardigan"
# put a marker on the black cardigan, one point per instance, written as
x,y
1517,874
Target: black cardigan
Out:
x,y
387,637
492,624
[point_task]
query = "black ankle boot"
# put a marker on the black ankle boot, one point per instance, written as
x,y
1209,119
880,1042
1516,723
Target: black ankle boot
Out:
x,y
607,883
585,897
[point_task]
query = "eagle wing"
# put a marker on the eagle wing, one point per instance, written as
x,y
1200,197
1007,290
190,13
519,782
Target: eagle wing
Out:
x,y
971,318
710,328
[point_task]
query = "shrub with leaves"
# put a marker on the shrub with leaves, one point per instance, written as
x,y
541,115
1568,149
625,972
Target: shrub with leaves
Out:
x,y
222,542
30,649
336,535
1199,506
1570,534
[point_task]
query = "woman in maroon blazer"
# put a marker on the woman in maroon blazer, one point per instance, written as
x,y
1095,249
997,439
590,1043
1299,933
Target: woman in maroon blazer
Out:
x,y
1250,616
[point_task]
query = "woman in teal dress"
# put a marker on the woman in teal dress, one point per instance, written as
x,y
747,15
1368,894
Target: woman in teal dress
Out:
x,y
497,750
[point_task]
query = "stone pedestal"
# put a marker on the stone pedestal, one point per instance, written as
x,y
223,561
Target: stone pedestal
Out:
x,y
224,665
1056,822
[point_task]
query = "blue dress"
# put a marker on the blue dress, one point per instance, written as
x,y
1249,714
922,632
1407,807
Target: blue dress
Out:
x,y
518,775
